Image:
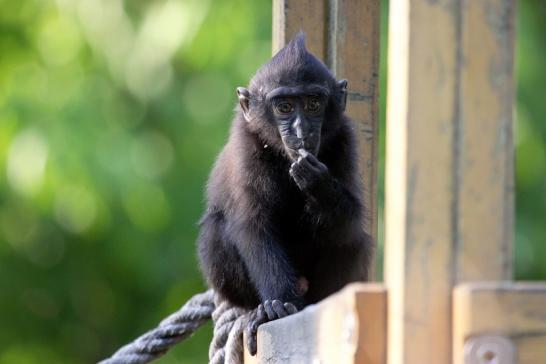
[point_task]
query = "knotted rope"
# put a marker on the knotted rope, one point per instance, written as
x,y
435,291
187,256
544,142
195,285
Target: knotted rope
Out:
x,y
227,343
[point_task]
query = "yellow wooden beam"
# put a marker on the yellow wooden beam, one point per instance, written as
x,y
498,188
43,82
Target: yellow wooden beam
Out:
x,y
345,35
484,181
485,312
449,168
353,54
419,180
291,16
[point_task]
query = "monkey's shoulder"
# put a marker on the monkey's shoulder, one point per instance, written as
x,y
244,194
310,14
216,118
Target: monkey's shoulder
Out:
x,y
246,173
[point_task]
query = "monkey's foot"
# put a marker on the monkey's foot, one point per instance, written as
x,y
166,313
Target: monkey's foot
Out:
x,y
268,311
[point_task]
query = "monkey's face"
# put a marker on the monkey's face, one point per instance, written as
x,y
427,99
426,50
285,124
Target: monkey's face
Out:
x,y
298,114
294,114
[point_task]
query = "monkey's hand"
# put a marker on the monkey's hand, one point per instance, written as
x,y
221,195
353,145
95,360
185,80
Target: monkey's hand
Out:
x,y
310,174
268,311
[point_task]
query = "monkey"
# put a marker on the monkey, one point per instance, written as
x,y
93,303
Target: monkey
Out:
x,y
283,227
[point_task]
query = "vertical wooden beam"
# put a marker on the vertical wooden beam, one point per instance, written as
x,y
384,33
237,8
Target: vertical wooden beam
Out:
x,y
353,54
484,183
449,164
421,111
345,35
291,16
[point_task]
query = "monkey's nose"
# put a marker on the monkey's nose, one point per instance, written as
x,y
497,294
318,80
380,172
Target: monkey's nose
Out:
x,y
301,127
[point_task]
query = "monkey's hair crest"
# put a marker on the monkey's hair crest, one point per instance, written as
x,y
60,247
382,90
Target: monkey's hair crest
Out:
x,y
292,65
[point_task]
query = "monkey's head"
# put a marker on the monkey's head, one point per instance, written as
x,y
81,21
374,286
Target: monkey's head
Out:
x,y
293,101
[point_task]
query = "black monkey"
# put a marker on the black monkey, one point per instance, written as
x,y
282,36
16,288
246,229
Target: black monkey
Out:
x,y
283,225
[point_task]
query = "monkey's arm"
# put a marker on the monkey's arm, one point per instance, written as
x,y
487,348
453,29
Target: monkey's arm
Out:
x,y
268,266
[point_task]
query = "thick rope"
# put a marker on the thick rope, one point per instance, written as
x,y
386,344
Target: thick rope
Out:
x,y
226,346
227,342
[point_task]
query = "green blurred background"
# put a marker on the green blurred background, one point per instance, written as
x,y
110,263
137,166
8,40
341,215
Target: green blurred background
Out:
x,y
111,114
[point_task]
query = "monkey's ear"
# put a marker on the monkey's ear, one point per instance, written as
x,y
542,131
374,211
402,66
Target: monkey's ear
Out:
x,y
342,89
244,100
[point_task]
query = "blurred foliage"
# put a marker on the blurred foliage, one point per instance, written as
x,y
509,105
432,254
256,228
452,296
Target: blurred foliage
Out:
x,y
111,114
530,250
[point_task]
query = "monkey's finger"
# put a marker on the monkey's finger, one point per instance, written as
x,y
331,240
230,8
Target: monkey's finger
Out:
x,y
278,307
317,166
251,340
305,168
258,317
291,171
315,162
290,308
310,157
271,314
298,177
304,161
302,152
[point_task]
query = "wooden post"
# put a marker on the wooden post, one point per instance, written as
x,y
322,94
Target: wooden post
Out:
x,y
449,164
353,54
345,35
484,183
291,16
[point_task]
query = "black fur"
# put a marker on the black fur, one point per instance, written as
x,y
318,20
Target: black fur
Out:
x,y
262,232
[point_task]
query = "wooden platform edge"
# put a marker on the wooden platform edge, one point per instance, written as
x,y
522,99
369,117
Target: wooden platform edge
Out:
x,y
347,327
503,322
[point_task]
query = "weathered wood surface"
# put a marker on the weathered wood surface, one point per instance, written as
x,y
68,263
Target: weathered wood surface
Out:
x,y
449,172
484,182
345,35
353,54
291,16
346,328
420,114
515,312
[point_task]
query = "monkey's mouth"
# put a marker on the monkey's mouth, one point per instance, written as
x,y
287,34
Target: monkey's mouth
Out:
x,y
297,152
309,148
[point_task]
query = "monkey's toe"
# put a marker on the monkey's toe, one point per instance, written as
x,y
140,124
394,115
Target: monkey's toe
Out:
x,y
257,318
290,308
279,309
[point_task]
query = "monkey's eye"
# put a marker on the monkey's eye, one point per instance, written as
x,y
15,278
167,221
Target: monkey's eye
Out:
x,y
314,104
284,107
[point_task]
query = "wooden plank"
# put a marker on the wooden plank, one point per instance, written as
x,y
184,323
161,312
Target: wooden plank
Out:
x,y
515,311
421,110
371,310
291,16
348,327
484,160
353,54
449,182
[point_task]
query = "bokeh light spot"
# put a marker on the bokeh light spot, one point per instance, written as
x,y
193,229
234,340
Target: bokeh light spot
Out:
x,y
147,206
207,96
151,155
40,302
59,41
75,208
27,158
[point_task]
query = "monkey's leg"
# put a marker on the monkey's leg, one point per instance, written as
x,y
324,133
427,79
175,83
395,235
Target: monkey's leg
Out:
x,y
269,268
274,279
